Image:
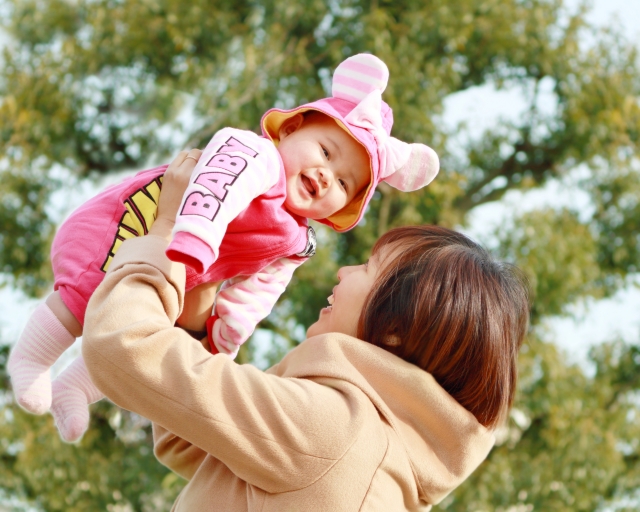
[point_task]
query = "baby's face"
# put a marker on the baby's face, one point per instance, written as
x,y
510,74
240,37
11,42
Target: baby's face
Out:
x,y
325,167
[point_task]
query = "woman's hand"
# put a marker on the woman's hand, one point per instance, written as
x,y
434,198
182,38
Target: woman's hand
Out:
x,y
174,184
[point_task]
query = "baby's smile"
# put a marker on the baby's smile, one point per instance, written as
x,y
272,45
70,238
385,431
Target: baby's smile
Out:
x,y
308,185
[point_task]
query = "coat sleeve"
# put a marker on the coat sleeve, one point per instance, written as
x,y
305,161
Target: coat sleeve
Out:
x,y
276,433
246,300
182,457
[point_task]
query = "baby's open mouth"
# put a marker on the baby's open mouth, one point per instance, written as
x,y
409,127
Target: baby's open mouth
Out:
x,y
308,185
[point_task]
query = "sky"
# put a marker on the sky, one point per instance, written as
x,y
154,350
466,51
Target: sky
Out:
x,y
592,323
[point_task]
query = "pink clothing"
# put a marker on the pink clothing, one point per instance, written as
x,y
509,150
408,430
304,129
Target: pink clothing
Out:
x,y
87,241
253,238
237,220
356,105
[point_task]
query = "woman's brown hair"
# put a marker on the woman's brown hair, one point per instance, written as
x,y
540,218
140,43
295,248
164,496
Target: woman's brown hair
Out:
x,y
446,305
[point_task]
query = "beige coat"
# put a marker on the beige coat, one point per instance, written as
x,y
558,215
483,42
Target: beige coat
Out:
x,y
337,425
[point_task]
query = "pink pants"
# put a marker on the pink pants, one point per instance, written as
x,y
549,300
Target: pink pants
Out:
x,y
88,239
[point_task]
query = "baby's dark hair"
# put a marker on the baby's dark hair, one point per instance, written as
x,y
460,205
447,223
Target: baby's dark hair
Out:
x,y
453,310
311,114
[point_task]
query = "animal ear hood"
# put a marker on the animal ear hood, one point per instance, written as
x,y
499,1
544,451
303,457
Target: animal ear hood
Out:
x,y
356,105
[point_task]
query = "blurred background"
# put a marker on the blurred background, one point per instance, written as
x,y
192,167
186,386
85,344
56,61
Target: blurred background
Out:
x,y
533,107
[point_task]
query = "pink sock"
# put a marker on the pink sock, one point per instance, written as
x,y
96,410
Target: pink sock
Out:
x,y
73,391
43,340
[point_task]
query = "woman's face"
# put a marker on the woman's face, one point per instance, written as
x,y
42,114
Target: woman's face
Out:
x,y
349,295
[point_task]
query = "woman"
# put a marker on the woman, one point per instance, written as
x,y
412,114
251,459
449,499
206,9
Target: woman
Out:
x,y
394,422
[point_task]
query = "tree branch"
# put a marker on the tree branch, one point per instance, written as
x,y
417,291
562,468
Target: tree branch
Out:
x,y
509,169
278,58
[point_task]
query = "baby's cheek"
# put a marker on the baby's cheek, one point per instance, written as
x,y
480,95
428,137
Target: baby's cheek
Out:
x,y
339,201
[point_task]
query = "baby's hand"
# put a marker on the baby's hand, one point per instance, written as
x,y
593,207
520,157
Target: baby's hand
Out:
x,y
174,184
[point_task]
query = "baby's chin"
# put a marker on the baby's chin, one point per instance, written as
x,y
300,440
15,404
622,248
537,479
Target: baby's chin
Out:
x,y
291,207
301,212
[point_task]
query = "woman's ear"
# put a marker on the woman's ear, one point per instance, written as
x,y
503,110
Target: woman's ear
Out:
x,y
290,126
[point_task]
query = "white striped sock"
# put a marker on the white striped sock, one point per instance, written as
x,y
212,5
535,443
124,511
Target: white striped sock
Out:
x,y
73,391
43,340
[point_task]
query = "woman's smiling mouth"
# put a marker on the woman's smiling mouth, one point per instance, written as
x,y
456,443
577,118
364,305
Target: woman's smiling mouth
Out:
x,y
330,301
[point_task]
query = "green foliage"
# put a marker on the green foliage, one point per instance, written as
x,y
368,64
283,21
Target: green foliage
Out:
x,y
112,466
617,200
23,252
94,86
572,441
559,256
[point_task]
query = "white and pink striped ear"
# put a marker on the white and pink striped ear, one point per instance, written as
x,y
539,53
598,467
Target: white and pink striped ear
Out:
x,y
410,166
361,79
358,76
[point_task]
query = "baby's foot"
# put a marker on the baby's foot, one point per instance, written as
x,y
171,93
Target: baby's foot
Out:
x,y
73,391
43,340
70,411
31,383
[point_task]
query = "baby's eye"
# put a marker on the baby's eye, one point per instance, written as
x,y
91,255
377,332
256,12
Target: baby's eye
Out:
x,y
343,184
324,150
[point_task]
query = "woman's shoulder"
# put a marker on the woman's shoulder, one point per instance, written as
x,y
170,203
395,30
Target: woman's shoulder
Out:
x,y
340,356
438,438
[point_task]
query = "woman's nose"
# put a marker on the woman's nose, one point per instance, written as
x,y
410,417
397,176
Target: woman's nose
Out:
x,y
344,271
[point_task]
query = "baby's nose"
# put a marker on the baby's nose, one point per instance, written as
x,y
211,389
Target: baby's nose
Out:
x,y
326,177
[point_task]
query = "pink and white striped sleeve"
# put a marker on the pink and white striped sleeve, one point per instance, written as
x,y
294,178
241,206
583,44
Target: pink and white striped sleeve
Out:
x,y
245,300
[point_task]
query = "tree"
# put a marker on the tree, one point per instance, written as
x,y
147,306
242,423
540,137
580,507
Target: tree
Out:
x,y
572,440
112,466
96,86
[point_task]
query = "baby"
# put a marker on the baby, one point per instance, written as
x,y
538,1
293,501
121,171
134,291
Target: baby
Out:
x,y
243,221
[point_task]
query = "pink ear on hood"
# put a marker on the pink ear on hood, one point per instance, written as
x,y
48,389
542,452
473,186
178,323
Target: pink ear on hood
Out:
x,y
416,171
359,75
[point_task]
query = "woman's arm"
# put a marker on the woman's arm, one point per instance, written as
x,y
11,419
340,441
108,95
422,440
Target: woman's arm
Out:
x,y
174,183
264,428
179,455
